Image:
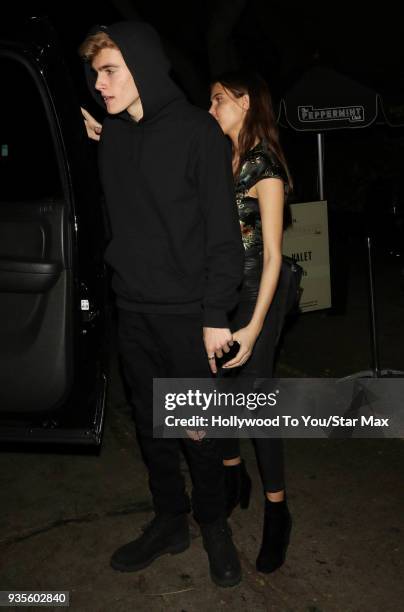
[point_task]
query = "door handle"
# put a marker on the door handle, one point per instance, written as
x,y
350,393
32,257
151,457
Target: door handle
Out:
x,y
28,276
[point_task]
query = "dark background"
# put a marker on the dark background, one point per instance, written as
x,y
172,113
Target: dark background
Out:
x,y
280,40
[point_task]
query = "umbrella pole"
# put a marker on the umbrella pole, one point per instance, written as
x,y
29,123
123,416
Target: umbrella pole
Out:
x,y
320,157
376,372
373,329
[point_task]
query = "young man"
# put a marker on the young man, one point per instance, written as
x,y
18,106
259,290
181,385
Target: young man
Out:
x,y
177,258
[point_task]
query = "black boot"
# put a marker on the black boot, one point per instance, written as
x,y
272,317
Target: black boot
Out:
x,y
164,534
237,486
275,539
225,569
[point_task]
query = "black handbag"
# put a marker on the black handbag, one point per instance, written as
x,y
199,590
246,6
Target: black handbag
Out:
x,y
292,277
289,291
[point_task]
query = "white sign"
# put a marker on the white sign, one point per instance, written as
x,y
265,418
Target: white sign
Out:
x,y
306,241
354,114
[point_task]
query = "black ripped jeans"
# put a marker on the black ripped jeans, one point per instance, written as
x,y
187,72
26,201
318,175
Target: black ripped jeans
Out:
x,y
170,346
269,451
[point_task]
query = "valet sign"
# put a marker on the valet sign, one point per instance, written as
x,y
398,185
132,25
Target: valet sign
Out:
x,y
306,241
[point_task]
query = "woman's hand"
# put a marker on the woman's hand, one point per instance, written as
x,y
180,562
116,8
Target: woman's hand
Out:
x,y
93,128
246,337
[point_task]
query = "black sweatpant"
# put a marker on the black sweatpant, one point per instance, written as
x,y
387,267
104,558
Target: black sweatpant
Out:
x,y
269,451
170,346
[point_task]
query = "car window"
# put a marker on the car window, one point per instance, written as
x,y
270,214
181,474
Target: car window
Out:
x,y
28,162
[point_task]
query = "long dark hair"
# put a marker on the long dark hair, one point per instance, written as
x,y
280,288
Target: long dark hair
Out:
x,y
260,121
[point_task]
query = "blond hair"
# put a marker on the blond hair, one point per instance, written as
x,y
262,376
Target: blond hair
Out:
x,y
93,44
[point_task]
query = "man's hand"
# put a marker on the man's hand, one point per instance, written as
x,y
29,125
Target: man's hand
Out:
x,y
217,341
93,128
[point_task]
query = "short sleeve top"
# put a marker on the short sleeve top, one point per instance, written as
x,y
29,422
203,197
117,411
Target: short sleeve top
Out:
x,y
259,163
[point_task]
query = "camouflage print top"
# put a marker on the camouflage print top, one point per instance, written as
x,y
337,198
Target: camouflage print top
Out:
x,y
259,163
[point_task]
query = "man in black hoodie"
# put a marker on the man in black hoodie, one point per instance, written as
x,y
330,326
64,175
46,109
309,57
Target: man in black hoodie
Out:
x,y
177,258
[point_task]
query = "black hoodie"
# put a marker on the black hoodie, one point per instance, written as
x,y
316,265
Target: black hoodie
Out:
x,y
176,243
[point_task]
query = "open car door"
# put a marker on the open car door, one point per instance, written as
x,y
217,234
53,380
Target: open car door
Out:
x,y
52,276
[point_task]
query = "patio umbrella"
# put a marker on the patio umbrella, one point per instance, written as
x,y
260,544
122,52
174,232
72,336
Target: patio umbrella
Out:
x,y
323,99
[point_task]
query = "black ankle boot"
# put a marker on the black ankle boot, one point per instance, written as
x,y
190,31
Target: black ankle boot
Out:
x,y
224,564
275,539
237,486
164,534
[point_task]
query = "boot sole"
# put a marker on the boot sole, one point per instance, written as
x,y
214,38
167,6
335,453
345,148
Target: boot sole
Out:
x,y
170,550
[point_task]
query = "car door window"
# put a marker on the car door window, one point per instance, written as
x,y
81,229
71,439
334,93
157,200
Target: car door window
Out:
x,y
28,163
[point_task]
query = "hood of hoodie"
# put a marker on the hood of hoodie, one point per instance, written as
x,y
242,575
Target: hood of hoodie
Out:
x,y
144,56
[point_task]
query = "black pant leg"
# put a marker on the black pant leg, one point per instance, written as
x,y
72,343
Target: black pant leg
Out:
x,y
181,342
142,360
207,472
230,447
269,451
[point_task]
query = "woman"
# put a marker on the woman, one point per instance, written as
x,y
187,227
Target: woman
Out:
x,y
242,106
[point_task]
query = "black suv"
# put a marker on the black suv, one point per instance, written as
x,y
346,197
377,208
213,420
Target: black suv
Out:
x,y
53,281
